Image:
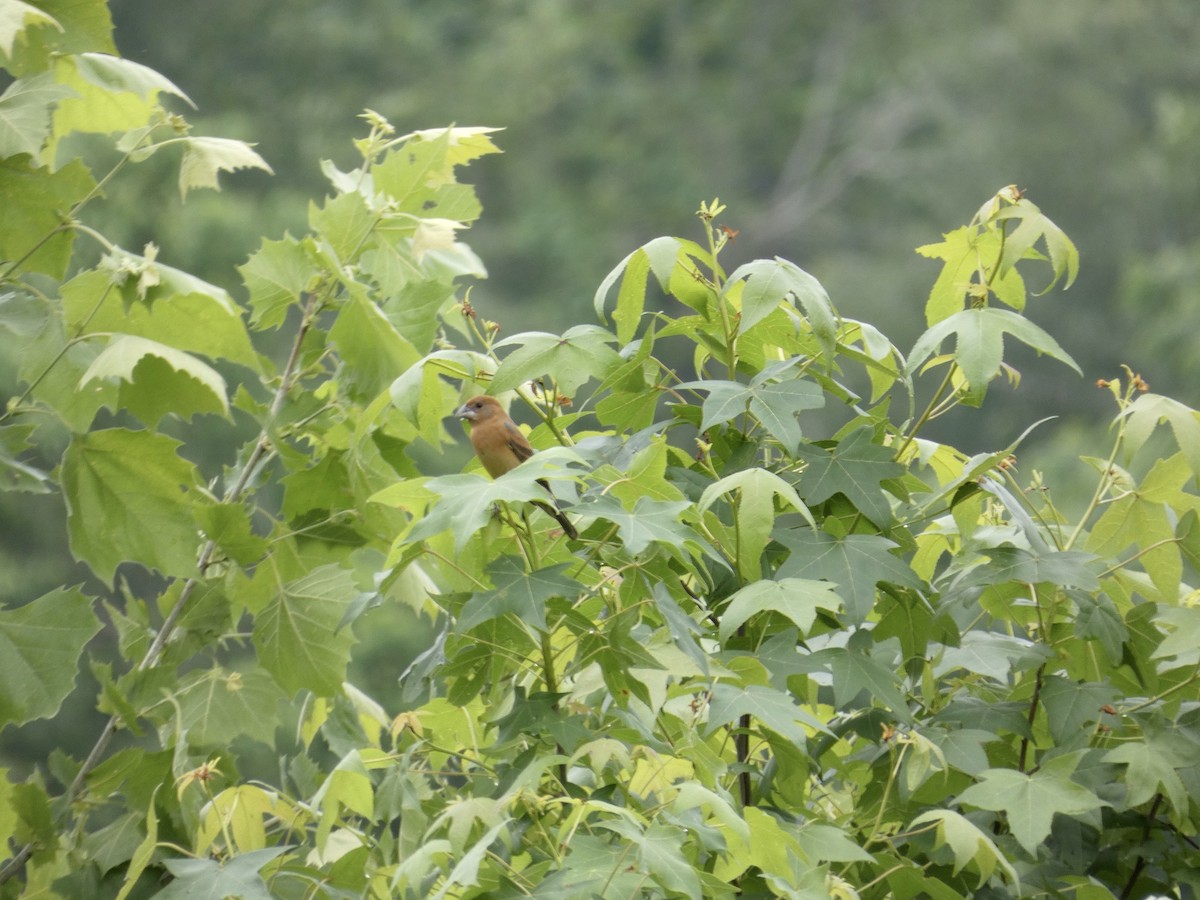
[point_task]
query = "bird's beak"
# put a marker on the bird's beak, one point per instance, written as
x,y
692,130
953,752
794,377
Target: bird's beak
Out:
x,y
464,412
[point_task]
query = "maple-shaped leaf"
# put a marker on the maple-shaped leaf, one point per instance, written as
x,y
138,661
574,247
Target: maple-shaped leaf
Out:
x,y
1031,801
756,490
772,398
297,633
979,343
1143,516
853,673
855,563
796,598
18,16
854,468
769,282
276,275
468,501
130,497
967,842
1151,767
1148,411
1073,709
207,879
156,379
524,594
1067,568
649,522
205,157
774,709
40,646
580,353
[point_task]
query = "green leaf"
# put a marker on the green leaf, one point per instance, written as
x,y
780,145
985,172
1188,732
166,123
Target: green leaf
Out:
x,y
967,843
1072,568
1034,226
158,379
206,879
205,157
960,254
855,563
1031,801
345,223
854,468
979,342
35,201
854,673
418,177
524,594
1072,709
181,312
1151,767
774,709
371,348
581,353
797,599
129,498
111,94
275,276
40,646
78,26
216,705
771,282
143,853
297,635
776,404
649,522
25,108
828,843
15,17
1149,411
228,526
756,492
468,502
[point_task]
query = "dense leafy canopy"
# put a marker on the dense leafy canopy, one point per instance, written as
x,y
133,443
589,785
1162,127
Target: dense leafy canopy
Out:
x,y
787,656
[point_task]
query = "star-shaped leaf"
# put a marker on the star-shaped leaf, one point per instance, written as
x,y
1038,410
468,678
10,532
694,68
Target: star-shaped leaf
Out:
x,y
854,468
649,522
524,594
1148,411
769,282
774,403
774,709
581,353
796,598
854,672
855,563
467,501
1030,801
979,348
207,879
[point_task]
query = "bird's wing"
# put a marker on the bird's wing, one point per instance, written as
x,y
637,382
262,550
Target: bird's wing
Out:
x,y
517,442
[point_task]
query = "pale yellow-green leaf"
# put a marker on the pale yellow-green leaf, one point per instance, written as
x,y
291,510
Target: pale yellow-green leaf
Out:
x,y
205,157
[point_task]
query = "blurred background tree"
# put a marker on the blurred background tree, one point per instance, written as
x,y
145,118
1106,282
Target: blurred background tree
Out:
x,y
841,135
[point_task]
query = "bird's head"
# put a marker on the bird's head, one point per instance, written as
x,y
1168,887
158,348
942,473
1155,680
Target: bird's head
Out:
x,y
477,409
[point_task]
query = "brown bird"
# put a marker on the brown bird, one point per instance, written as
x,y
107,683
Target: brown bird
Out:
x,y
501,446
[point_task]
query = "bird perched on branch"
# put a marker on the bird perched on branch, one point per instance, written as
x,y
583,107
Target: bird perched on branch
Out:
x,y
501,446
